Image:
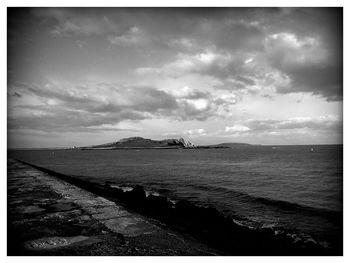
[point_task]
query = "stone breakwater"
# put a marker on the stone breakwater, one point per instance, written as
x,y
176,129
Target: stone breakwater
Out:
x,y
204,223
215,229
49,216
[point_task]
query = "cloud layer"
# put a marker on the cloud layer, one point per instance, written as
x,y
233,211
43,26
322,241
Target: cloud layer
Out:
x,y
53,107
199,72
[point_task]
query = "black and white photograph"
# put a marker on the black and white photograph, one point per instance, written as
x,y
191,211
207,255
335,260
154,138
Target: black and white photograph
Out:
x,y
174,131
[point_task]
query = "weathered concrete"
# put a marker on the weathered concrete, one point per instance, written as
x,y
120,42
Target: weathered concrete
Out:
x,y
47,216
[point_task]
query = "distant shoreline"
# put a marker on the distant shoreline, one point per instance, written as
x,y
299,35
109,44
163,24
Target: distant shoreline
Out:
x,y
156,148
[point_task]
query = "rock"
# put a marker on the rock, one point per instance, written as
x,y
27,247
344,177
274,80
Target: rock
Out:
x,y
158,205
137,194
185,206
108,184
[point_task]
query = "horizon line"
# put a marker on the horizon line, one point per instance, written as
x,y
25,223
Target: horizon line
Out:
x,y
71,147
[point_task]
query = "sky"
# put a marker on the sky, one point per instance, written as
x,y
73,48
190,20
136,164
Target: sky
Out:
x,y
83,76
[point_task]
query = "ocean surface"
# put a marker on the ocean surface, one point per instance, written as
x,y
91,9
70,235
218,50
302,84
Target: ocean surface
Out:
x,y
288,188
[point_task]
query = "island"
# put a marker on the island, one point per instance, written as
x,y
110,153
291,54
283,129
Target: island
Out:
x,y
142,143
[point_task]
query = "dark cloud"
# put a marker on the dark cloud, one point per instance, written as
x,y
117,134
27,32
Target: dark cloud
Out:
x,y
309,51
323,77
56,119
149,99
324,80
144,99
77,107
189,111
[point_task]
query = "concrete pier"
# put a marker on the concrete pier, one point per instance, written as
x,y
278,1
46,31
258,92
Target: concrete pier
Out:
x,y
48,216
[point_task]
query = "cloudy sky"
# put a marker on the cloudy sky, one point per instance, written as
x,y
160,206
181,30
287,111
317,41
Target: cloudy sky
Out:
x,y
85,76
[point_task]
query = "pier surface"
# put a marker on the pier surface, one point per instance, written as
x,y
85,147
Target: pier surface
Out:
x,y
48,216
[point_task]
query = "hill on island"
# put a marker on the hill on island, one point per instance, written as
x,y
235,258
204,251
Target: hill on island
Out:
x,y
139,142
142,143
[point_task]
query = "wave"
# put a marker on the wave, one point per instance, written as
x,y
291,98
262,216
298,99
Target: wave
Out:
x,y
126,188
274,203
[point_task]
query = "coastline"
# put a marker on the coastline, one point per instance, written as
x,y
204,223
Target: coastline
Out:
x,y
204,224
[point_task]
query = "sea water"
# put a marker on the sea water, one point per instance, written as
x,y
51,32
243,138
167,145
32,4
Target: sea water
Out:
x,y
296,189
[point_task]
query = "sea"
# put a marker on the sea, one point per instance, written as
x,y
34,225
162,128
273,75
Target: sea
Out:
x,y
295,189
